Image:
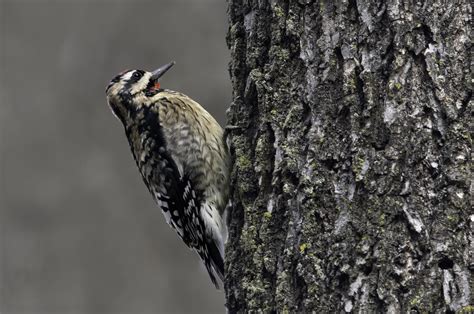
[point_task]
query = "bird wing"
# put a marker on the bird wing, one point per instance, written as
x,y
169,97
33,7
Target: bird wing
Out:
x,y
205,246
175,193
181,207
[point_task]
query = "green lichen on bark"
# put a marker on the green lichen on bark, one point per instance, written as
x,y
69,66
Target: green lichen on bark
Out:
x,y
352,156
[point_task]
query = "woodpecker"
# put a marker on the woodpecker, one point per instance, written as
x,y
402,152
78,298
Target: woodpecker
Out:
x,y
182,156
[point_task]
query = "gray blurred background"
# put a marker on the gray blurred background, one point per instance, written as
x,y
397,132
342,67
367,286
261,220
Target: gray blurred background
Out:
x,y
79,231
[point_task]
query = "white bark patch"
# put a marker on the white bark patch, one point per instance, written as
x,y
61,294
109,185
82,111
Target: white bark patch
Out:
x,y
363,9
270,205
249,20
416,223
351,191
341,221
447,280
406,188
354,287
348,306
389,113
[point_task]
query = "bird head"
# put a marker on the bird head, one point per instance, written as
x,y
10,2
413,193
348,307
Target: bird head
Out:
x,y
125,91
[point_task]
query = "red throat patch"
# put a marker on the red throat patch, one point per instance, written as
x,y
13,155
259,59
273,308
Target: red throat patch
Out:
x,y
157,85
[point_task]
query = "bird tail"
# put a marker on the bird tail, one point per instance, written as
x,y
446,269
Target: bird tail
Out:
x,y
214,262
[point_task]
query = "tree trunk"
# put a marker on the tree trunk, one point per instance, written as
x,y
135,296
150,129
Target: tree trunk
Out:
x,y
352,153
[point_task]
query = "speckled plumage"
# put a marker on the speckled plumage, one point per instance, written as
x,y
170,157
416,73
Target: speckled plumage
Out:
x,y
180,151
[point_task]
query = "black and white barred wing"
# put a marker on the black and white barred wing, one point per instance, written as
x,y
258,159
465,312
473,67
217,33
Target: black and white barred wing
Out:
x,y
204,245
176,196
166,187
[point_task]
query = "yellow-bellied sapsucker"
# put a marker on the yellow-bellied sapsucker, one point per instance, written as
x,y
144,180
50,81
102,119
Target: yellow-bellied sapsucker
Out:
x,y
181,153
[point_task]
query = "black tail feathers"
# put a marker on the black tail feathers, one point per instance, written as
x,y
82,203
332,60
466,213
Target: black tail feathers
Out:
x,y
214,262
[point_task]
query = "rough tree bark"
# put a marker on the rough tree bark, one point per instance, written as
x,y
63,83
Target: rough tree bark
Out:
x,y
352,154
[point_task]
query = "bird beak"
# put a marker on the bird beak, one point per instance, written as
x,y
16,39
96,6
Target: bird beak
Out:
x,y
155,75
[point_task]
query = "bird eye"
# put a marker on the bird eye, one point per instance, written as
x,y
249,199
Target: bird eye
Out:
x,y
137,75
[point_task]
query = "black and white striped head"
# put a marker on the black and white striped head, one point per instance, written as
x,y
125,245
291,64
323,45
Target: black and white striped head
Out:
x,y
126,90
